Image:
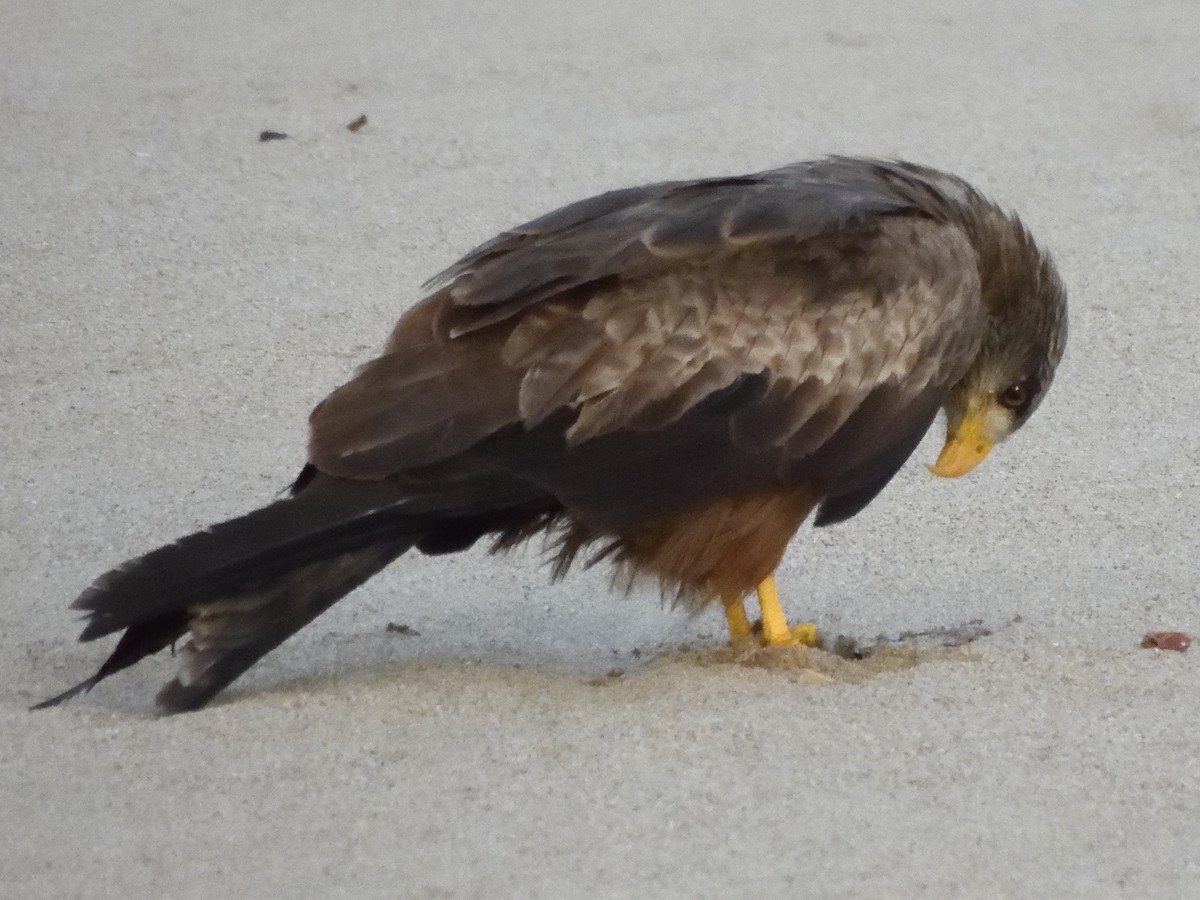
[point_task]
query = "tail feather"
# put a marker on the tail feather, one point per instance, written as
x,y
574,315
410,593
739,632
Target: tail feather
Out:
x,y
229,637
326,519
244,586
135,645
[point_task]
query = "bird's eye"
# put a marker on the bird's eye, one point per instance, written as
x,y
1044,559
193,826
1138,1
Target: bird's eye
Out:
x,y
1017,397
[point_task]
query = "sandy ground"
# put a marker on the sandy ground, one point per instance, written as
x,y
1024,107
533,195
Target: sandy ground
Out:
x,y
175,295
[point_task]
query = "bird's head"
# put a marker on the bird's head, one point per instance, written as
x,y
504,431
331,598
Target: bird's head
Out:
x,y
1022,344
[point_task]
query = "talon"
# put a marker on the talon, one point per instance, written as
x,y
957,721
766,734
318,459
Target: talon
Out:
x,y
804,635
772,630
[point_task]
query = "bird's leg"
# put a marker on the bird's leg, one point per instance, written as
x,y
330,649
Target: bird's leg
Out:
x,y
774,624
735,615
775,629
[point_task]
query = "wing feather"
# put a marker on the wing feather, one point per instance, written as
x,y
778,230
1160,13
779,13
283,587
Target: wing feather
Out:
x,y
833,287
638,232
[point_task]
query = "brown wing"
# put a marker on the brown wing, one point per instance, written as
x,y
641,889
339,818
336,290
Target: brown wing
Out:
x,y
635,232
652,348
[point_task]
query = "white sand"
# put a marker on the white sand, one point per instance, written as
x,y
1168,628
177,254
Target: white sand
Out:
x,y
174,296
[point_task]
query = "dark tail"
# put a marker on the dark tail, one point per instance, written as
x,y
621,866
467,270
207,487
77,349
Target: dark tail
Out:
x,y
244,586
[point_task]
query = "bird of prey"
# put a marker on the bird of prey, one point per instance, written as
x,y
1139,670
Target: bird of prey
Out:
x,y
671,378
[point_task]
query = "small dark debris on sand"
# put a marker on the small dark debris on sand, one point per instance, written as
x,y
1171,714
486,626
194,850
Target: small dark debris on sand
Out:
x,y
357,123
402,629
609,677
950,636
264,136
1177,641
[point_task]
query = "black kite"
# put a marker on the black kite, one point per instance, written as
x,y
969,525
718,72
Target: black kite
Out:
x,y
674,375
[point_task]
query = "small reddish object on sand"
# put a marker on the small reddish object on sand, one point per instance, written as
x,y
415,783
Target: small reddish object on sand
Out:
x,y
1167,640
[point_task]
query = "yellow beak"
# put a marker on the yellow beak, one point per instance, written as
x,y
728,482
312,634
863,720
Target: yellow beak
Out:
x,y
965,447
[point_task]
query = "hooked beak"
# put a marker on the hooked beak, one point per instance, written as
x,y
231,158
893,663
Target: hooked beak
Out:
x,y
966,444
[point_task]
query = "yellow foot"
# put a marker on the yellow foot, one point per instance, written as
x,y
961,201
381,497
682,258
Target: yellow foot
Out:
x,y
802,635
775,630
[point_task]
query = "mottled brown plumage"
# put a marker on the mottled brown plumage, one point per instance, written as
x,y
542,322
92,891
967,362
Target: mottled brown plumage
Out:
x,y
675,375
